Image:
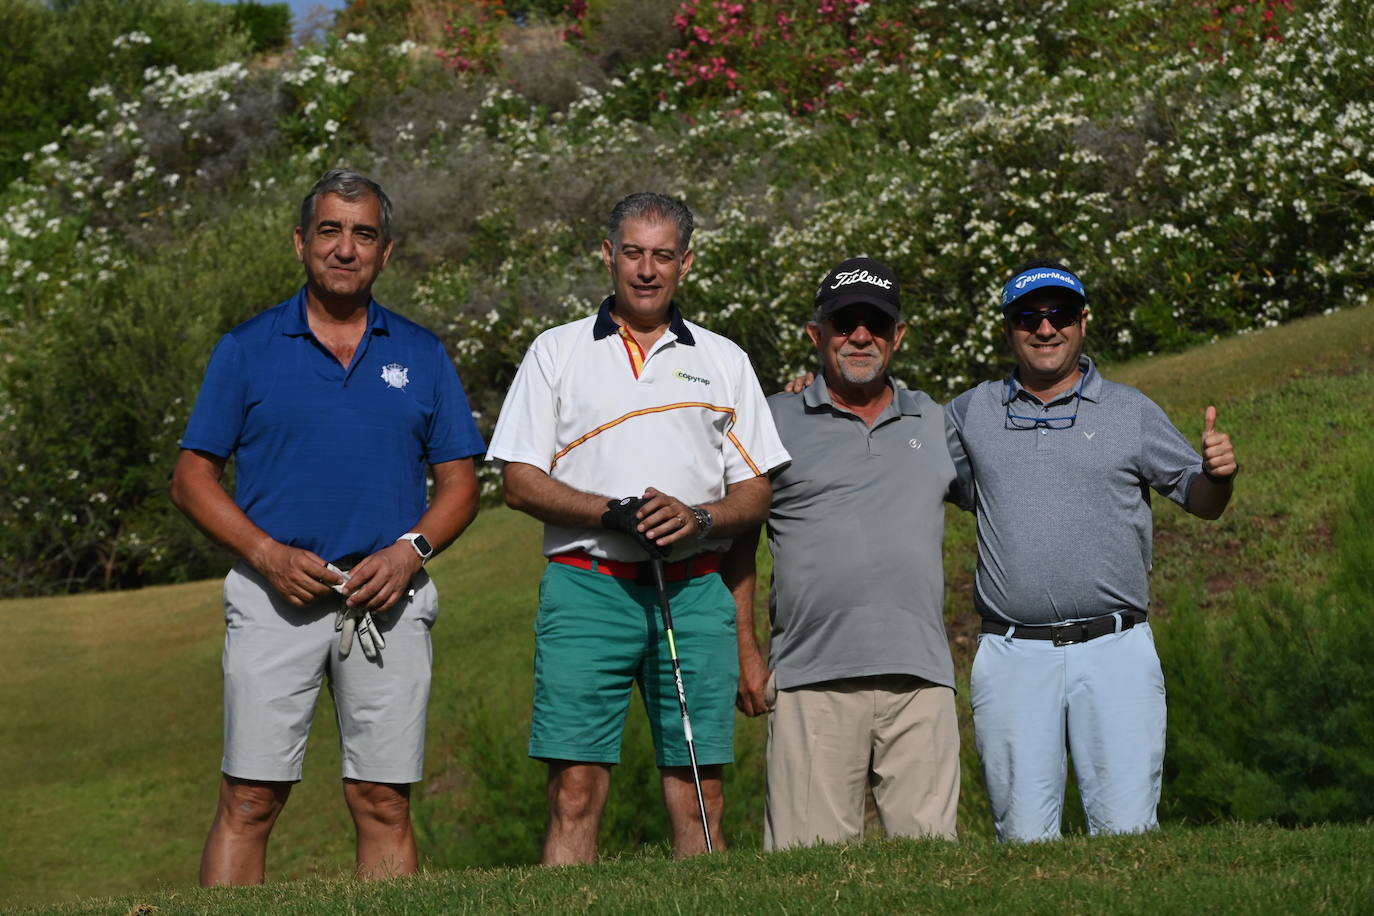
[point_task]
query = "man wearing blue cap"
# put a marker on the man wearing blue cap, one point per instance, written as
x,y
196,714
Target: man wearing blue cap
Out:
x,y
1062,460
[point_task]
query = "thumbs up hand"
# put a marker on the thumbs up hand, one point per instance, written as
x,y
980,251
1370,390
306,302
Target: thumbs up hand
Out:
x,y
1218,457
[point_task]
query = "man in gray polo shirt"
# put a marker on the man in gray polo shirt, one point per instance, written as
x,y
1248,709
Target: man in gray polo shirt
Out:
x,y
1064,461
862,684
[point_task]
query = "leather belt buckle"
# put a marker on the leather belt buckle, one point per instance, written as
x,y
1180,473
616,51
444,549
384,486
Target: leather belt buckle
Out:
x,y
1067,634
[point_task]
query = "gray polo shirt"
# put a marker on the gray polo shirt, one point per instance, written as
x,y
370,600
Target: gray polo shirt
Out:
x,y
856,528
1064,525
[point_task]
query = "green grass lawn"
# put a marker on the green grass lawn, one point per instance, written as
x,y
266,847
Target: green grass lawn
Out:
x,y
1220,869
110,742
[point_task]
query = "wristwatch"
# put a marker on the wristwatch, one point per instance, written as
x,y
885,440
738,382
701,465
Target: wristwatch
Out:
x,y
420,543
704,521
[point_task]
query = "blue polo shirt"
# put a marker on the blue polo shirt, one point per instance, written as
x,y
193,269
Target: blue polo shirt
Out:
x,y
330,459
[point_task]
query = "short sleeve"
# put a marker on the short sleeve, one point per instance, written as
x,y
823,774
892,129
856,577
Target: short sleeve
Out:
x,y
1168,462
217,419
453,433
753,447
526,430
961,488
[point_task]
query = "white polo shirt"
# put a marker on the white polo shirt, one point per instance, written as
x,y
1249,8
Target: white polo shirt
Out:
x,y
592,411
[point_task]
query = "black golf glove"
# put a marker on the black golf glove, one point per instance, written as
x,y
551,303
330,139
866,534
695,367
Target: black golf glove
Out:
x,y
620,516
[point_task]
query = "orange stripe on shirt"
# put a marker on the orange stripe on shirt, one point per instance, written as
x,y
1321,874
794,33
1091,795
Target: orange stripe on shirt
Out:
x,y
633,350
640,413
743,454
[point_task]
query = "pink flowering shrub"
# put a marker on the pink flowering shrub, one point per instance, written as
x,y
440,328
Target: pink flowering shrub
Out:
x,y
788,48
474,36
1240,24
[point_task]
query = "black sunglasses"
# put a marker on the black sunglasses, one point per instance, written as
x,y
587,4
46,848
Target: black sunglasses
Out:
x,y
878,323
1059,317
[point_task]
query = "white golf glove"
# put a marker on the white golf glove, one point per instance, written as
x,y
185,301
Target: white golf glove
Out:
x,y
350,620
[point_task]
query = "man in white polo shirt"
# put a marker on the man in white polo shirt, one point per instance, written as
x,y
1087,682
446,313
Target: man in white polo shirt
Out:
x,y
635,402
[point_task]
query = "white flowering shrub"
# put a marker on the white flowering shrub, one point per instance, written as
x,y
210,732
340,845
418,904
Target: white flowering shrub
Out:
x,y
1206,173
54,52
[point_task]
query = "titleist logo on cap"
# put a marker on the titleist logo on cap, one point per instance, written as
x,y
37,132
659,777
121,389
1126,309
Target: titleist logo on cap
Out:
x,y
859,276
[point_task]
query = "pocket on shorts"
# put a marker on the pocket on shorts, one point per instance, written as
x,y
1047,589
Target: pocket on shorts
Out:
x,y
235,585
545,602
422,606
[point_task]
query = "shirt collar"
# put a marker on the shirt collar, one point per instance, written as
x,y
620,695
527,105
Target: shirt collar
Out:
x,y
1089,387
817,395
606,325
296,322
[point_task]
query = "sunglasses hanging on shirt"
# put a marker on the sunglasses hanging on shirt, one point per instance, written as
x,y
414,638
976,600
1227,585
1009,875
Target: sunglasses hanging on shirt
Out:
x,y
1017,421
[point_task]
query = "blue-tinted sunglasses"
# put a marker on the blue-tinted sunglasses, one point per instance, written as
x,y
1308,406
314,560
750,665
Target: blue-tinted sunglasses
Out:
x,y
1059,317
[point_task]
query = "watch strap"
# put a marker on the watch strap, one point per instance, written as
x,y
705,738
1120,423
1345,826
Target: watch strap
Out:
x,y
704,521
420,543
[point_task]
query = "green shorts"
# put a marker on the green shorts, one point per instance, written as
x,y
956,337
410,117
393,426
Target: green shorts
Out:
x,y
597,635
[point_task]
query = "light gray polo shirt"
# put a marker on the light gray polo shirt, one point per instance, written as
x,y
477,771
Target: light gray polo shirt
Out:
x,y
1064,525
856,529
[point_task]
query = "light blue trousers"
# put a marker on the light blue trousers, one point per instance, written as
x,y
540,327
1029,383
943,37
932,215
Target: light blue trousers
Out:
x,y
1101,701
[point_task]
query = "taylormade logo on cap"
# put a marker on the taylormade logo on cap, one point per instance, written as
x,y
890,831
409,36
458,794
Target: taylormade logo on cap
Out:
x,y
860,276
1041,278
1025,279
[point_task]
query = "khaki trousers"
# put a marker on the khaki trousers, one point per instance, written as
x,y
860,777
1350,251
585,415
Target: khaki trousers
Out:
x,y
829,742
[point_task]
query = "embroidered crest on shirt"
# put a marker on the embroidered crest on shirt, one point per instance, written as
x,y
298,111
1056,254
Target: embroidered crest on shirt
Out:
x,y
395,375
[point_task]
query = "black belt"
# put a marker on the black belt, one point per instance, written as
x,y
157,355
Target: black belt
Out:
x,y
350,561
1066,634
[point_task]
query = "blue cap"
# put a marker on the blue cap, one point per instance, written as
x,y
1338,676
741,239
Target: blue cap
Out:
x,y
1028,281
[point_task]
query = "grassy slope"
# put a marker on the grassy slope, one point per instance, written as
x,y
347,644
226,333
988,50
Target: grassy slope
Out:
x,y
1227,868
110,742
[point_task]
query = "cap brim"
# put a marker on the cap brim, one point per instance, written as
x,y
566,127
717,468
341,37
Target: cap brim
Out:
x,y
1040,287
859,297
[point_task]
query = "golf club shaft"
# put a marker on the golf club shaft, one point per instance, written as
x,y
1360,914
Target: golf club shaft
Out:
x,y
659,581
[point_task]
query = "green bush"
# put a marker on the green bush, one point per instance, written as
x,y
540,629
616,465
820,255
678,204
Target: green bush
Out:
x,y
93,402
268,25
1204,178
1271,712
54,56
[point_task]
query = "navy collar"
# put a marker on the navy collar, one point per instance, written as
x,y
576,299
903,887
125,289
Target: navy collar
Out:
x,y
606,325
1089,387
296,323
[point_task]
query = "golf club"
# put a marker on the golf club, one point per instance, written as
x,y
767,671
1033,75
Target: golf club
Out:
x,y
657,563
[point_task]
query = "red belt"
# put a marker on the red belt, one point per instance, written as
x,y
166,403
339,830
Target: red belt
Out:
x,y
702,564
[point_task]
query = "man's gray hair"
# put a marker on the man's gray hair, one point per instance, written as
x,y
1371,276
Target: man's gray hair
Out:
x,y
655,206
351,187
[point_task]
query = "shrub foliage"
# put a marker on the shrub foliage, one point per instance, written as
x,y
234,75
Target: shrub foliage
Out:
x,y
1206,170
1271,715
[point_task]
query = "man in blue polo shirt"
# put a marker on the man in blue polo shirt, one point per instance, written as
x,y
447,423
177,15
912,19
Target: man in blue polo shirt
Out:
x,y
1063,461
334,409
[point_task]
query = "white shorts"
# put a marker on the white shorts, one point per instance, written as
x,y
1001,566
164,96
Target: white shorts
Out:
x,y
276,656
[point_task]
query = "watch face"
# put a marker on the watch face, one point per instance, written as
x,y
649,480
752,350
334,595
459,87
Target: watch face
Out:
x,y
422,545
